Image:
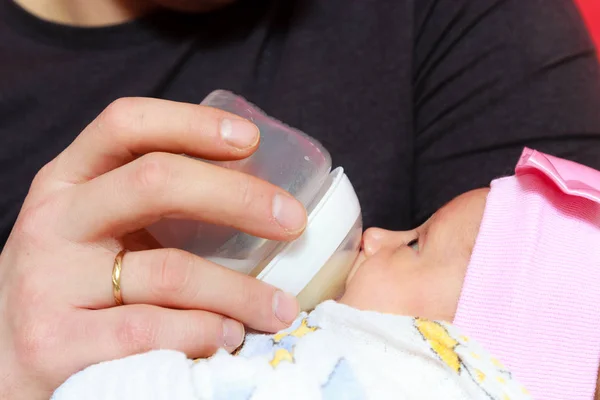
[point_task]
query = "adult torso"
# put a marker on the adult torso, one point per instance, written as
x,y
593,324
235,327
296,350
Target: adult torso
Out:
x,y
345,72
332,76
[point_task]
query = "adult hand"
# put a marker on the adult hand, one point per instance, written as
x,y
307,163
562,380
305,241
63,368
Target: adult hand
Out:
x,y
57,310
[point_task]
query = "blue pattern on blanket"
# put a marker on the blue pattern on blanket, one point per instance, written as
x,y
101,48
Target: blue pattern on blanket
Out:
x,y
342,384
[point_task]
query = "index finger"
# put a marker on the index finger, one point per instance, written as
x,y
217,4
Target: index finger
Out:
x,y
130,127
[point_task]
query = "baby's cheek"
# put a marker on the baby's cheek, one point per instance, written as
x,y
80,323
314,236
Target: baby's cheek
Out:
x,y
418,288
375,286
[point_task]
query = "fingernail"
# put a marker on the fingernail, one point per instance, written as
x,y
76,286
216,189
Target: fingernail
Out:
x,y
233,333
239,133
285,307
289,213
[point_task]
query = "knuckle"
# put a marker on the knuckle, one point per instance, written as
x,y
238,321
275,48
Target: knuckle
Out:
x,y
208,344
195,122
33,223
172,274
204,120
36,328
31,345
207,335
35,342
27,288
253,295
151,174
256,299
41,176
245,191
118,116
136,332
39,330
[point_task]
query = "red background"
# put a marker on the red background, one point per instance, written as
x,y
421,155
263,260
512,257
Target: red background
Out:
x,y
591,13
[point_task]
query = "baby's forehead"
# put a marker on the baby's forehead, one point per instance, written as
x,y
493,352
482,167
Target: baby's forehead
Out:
x,y
467,204
462,216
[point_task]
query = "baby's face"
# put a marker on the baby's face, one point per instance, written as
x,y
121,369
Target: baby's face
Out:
x,y
412,272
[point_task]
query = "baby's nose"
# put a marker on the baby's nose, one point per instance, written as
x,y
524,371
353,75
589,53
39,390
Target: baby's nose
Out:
x,y
375,239
371,241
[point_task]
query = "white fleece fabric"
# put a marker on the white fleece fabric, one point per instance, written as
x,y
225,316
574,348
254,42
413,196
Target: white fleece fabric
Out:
x,y
336,352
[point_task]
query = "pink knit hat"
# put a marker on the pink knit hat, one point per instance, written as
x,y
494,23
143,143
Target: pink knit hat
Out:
x,y
531,295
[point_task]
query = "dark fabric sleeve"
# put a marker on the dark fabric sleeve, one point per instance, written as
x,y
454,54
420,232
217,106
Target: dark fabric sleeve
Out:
x,y
492,76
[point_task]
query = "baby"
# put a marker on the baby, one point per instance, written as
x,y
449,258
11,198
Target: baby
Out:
x,y
514,267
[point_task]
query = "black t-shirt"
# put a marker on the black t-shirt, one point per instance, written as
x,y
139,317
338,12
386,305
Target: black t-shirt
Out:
x,y
419,100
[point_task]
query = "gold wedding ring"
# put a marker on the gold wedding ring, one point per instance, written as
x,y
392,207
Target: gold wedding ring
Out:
x,y
116,277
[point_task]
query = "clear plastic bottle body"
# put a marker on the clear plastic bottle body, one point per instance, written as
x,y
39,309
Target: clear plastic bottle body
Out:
x,y
315,266
286,157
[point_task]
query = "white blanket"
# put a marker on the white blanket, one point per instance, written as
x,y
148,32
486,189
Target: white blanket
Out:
x,y
336,352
